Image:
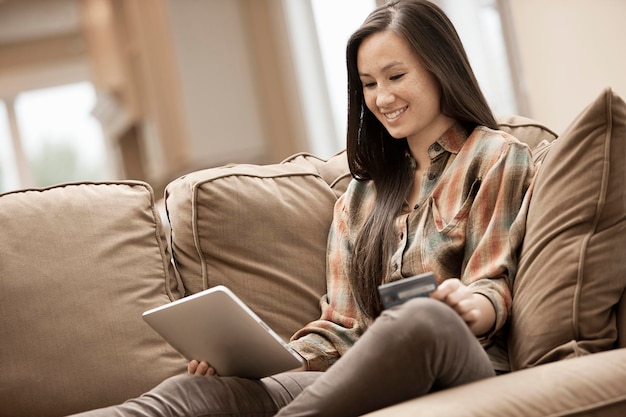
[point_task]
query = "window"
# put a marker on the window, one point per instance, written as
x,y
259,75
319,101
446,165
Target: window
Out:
x,y
335,23
8,169
59,141
478,23
318,33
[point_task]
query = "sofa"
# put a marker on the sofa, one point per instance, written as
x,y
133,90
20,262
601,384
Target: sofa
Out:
x,y
82,261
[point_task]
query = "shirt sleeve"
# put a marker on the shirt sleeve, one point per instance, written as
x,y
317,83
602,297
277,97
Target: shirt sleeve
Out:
x,y
323,341
491,246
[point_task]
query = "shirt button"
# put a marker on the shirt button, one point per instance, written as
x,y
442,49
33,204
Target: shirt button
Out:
x,y
437,147
432,176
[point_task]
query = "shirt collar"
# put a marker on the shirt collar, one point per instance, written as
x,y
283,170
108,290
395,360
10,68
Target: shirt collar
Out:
x,y
451,141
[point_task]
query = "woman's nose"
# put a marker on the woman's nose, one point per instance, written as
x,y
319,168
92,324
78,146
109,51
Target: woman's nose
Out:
x,y
384,97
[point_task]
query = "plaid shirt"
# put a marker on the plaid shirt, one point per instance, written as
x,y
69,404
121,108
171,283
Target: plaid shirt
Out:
x,y
469,199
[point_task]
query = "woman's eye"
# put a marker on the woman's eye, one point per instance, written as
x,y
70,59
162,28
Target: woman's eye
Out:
x,y
369,84
396,77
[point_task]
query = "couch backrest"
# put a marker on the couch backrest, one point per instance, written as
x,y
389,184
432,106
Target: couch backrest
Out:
x,y
261,230
526,130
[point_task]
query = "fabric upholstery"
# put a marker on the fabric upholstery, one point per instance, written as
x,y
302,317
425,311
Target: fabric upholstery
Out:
x,y
592,386
572,271
527,130
80,263
334,170
259,230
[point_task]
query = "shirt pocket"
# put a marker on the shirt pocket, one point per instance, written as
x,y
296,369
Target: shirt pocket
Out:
x,y
447,217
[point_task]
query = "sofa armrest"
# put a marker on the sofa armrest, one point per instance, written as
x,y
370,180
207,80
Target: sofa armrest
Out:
x,y
588,385
80,263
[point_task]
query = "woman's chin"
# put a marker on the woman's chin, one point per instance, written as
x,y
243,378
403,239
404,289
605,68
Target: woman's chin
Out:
x,y
396,134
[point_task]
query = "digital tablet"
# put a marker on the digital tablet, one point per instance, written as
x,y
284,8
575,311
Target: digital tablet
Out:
x,y
217,327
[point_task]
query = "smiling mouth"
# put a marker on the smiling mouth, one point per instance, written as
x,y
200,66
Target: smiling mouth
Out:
x,y
395,114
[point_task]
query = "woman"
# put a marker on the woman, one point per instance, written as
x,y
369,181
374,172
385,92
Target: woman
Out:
x,y
436,188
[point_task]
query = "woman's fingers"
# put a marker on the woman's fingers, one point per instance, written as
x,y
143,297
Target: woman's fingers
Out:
x,y
456,295
192,366
450,292
200,368
474,308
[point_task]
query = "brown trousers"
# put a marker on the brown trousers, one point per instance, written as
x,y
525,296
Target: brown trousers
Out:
x,y
411,350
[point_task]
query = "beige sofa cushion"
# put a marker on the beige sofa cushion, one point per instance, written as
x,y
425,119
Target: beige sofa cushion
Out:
x,y
572,270
526,130
259,230
80,263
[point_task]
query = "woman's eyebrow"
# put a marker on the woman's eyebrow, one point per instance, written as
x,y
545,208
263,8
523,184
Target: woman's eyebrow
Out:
x,y
383,69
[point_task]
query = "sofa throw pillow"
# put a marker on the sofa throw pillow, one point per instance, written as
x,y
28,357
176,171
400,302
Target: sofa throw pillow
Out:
x,y
80,263
572,270
260,230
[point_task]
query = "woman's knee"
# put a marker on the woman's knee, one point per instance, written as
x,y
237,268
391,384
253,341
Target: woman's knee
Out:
x,y
425,317
177,382
207,396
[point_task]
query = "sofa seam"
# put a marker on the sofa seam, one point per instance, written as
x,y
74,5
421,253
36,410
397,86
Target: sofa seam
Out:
x,y
250,175
589,407
196,239
133,183
158,235
530,124
340,178
601,201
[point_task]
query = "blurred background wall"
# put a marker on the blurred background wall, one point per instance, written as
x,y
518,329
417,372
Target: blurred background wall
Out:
x,y
152,89
569,50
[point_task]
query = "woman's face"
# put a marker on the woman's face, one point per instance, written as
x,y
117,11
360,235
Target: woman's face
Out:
x,y
403,95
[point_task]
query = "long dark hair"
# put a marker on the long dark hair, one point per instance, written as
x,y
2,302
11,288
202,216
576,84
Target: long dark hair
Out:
x,y
374,155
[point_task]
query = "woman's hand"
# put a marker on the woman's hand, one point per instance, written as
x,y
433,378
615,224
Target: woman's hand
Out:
x,y
475,309
200,368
